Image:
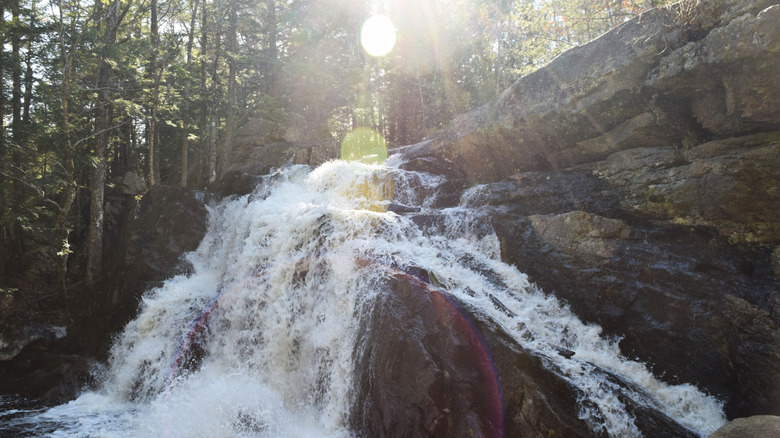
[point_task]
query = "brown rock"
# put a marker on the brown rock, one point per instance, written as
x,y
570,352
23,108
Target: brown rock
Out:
x,y
580,234
759,426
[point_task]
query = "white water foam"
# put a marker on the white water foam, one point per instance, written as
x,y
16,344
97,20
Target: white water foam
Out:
x,y
278,355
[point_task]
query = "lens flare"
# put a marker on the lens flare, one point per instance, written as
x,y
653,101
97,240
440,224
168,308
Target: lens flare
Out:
x,y
364,145
378,35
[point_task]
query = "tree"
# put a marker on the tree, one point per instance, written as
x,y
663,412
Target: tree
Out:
x,y
154,74
185,119
2,118
67,54
111,16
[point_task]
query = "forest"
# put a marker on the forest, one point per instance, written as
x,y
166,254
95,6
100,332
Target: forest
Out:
x,y
91,91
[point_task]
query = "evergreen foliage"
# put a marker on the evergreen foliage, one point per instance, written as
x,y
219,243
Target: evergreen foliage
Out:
x,y
159,87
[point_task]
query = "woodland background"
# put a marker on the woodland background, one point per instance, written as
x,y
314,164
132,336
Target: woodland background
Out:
x,y
92,91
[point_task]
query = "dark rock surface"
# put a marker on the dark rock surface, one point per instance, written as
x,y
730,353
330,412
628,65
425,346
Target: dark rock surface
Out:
x,y
262,143
49,376
425,369
422,370
15,339
695,308
637,178
35,361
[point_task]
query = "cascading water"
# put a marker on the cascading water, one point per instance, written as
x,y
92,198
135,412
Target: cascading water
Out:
x,y
260,339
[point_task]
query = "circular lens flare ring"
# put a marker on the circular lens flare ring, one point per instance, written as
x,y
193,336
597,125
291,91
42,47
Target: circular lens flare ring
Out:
x,y
378,35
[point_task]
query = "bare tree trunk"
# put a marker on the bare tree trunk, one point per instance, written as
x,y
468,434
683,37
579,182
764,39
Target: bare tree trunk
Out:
x,y
185,146
16,125
113,17
70,195
16,75
3,158
185,142
154,76
271,29
28,75
98,175
227,150
2,95
204,107
66,56
212,156
28,90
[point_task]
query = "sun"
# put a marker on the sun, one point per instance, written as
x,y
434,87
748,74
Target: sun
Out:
x,y
378,35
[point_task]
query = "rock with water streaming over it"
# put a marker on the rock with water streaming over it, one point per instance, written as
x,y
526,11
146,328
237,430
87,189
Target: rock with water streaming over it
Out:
x,y
423,370
426,368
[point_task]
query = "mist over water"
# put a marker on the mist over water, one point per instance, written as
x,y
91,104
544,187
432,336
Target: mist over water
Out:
x,y
287,273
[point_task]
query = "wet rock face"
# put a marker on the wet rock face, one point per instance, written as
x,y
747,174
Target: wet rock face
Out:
x,y
34,363
14,339
636,177
730,185
422,370
49,377
672,251
693,307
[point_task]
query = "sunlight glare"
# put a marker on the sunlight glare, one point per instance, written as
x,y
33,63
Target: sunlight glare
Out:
x,y
364,145
378,35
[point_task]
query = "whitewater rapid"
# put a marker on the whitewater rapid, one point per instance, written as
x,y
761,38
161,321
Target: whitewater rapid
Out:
x,y
276,358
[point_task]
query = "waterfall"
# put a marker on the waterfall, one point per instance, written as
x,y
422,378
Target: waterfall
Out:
x,y
260,338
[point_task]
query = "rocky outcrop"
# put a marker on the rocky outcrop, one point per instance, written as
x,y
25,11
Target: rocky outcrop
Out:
x,y
636,177
681,298
48,376
730,185
423,370
670,77
15,339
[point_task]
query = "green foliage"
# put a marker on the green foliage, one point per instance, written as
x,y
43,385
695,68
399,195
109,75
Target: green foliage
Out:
x,y
291,63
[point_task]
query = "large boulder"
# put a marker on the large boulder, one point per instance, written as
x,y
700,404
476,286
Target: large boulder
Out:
x,y
35,361
422,370
260,146
425,368
729,185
